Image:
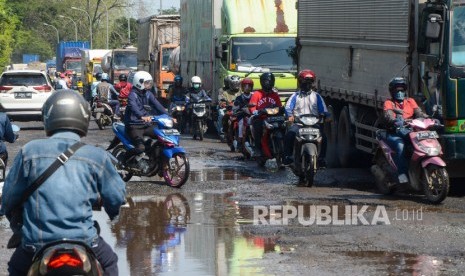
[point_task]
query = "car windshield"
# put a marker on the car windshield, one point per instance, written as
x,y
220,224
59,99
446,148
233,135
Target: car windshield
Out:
x,y
458,36
124,60
23,79
166,56
261,54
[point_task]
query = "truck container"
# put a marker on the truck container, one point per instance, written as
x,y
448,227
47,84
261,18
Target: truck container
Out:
x,y
356,47
120,61
28,58
158,36
68,55
239,37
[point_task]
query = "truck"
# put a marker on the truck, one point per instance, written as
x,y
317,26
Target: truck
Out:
x,y
91,64
28,58
356,47
239,37
68,56
120,61
158,36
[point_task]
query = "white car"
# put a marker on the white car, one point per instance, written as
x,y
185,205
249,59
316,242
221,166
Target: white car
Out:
x,y
23,93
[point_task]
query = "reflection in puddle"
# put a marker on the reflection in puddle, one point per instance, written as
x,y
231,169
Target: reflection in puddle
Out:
x,y
395,263
194,234
220,174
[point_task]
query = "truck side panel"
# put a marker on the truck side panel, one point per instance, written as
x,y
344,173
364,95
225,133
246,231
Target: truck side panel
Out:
x,y
345,42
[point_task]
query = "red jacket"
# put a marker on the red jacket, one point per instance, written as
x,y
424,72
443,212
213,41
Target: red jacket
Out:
x,y
123,87
260,99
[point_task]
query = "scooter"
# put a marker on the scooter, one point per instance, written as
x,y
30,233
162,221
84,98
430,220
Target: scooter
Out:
x,y
200,114
178,111
427,171
102,112
306,148
162,156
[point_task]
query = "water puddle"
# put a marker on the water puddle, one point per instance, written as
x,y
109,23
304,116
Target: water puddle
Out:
x,y
220,174
397,263
191,234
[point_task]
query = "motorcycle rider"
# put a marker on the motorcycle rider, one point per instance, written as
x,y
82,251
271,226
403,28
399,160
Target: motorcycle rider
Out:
x,y
123,87
61,208
178,93
137,120
396,110
242,101
108,93
262,98
62,83
6,134
226,99
306,100
196,93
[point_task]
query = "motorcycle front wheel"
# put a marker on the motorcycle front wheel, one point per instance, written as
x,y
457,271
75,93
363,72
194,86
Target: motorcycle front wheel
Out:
x,y
308,170
100,121
435,182
200,128
176,170
119,153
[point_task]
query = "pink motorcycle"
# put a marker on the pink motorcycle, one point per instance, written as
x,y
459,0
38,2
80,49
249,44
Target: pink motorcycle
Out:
x,y
426,171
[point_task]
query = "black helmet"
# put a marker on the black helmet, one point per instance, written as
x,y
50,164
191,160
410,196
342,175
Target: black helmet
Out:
x,y
66,110
178,80
98,76
398,84
267,81
123,77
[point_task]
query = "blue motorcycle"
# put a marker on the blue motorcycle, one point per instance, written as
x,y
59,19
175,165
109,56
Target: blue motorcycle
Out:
x,y
162,156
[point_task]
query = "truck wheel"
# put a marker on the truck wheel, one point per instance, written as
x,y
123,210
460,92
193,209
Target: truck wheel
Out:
x,y
345,138
330,130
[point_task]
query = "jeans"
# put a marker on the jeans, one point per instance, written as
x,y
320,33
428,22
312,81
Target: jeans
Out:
x,y
136,134
115,105
289,139
21,260
219,122
397,144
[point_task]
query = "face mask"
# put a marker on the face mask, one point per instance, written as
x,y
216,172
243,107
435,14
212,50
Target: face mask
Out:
x,y
196,85
306,87
399,96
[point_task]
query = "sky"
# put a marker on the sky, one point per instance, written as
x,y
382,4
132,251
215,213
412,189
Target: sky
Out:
x,y
144,8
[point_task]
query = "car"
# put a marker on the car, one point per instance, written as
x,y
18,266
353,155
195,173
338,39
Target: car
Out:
x,y
23,93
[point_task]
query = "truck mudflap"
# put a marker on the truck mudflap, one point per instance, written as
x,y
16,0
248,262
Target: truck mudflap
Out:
x,y
453,147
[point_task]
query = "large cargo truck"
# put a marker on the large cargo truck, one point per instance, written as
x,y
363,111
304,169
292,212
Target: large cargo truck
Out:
x,y
28,58
356,47
120,61
158,36
239,37
91,64
68,55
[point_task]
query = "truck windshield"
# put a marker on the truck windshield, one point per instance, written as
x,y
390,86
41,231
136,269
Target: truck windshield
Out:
x,y
458,36
74,66
166,52
263,53
124,60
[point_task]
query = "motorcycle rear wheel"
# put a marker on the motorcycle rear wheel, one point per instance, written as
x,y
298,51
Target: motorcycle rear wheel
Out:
x,y
100,122
119,153
435,182
178,175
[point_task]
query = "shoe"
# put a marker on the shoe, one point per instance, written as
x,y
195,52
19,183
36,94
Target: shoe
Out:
x,y
287,161
403,178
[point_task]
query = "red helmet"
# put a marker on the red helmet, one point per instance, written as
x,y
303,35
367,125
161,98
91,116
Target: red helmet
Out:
x,y
306,75
247,81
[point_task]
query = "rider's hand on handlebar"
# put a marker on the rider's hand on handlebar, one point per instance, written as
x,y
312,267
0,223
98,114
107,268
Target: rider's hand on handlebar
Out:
x,y
175,121
291,119
147,119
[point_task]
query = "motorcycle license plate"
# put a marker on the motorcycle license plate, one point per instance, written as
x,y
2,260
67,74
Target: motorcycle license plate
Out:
x,y
275,119
309,131
201,105
99,109
171,131
427,135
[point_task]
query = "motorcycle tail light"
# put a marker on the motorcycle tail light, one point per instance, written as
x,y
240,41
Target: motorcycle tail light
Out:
x,y
65,260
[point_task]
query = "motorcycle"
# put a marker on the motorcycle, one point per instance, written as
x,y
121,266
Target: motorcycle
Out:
x,y
273,135
200,112
102,112
232,128
306,148
178,111
426,171
123,102
65,257
163,156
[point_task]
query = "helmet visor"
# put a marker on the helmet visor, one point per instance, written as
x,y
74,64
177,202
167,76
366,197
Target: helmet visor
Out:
x,y
148,84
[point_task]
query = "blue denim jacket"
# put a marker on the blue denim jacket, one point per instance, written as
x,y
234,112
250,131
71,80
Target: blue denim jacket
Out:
x,y
62,206
6,132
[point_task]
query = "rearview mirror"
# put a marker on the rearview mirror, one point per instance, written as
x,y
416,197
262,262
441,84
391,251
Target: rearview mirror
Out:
x,y
433,26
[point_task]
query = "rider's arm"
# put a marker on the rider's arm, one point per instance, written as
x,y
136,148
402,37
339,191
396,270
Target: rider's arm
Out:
x,y
113,90
8,134
14,186
388,113
111,188
417,112
290,104
157,105
322,109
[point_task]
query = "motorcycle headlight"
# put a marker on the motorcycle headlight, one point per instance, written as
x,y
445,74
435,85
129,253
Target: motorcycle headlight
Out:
x,y
272,110
309,121
430,151
167,122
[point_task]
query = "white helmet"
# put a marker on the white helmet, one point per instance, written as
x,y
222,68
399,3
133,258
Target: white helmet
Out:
x,y
105,77
142,80
196,79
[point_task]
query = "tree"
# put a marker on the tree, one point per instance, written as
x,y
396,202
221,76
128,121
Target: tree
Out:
x,y
8,23
172,10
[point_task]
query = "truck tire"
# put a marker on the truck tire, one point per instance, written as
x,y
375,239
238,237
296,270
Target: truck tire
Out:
x,y
330,130
345,139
